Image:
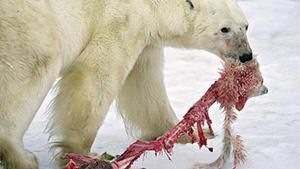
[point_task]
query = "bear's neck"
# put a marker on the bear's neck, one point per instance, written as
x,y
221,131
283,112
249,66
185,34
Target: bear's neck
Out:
x,y
165,21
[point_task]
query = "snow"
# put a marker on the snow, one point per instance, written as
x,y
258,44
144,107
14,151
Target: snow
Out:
x,y
270,124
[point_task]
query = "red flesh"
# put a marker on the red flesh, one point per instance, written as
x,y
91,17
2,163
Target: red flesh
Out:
x,y
232,89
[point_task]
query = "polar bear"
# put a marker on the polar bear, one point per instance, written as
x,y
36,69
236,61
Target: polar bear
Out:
x,y
102,50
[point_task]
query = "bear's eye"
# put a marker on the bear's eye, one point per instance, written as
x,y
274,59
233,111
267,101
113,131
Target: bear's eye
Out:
x,y
190,4
247,26
225,30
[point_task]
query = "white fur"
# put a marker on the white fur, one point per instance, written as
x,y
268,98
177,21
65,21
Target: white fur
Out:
x,y
101,49
143,100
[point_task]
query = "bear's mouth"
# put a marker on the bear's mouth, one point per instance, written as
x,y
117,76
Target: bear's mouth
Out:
x,y
243,58
227,57
230,56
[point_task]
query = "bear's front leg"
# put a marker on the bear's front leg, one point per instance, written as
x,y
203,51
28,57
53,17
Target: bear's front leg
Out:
x,y
143,101
86,91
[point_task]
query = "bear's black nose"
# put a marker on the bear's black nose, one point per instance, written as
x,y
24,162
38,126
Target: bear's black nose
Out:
x,y
246,57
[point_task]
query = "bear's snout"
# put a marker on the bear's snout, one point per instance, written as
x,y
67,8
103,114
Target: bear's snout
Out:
x,y
246,57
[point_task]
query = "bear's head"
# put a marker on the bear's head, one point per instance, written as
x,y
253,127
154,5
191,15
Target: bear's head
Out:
x,y
217,26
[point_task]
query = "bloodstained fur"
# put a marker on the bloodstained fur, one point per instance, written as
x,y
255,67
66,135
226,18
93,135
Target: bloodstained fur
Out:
x,y
235,86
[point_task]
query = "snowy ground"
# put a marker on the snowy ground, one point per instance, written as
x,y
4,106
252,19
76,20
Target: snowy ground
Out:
x,y
270,125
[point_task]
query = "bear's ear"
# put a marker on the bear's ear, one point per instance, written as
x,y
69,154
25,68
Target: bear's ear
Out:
x,y
190,4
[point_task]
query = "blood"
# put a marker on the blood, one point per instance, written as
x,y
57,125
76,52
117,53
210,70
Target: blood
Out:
x,y
231,90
